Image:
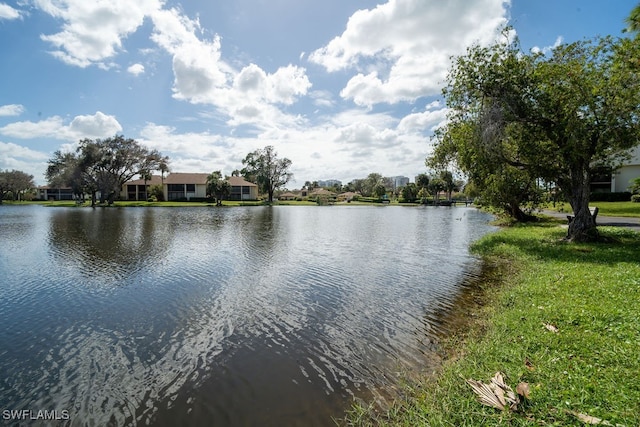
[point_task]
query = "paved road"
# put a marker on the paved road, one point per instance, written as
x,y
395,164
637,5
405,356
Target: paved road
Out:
x,y
616,221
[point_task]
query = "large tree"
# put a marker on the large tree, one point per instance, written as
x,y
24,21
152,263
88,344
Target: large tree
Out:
x,y
103,165
267,170
14,182
556,117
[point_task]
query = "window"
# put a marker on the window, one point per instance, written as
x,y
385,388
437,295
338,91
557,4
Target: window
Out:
x,y
191,188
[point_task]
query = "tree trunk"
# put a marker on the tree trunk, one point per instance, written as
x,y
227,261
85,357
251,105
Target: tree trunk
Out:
x,y
518,214
582,227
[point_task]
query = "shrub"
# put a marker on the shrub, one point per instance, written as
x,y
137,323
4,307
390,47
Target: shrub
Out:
x,y
622,196
635,198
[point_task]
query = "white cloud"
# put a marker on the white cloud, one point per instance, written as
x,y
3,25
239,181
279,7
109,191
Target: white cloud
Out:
x,y
136,69
93,30
548,49
197,67
7,12
402,48
98,125
428,120
11,110
9,149
18,157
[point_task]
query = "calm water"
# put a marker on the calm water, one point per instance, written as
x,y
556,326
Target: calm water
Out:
x,y
222,316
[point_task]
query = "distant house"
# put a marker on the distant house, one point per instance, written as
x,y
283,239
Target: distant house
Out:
x,y
242,189
620,179
54,193
185,186
348,196
136,190
288,196
321,192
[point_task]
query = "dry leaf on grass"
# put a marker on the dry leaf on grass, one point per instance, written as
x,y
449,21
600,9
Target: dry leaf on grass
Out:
x,y
523,389
496,394
551,328
588,419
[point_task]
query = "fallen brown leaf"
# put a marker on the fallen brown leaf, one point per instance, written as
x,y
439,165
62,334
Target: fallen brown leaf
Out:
x,y
523,390
588,419
551,328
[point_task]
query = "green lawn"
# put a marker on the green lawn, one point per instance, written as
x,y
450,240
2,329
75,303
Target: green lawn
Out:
x,y
590,366
625,209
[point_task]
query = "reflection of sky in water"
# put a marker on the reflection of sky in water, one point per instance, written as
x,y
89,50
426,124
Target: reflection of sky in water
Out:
x,y
124,314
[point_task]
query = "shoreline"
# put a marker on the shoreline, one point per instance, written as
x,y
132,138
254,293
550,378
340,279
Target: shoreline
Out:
x,y
535,280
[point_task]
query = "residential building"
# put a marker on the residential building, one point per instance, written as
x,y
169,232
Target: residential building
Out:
x,y
136,189
242,189
621,178
188,186
185,186
287,196
54,193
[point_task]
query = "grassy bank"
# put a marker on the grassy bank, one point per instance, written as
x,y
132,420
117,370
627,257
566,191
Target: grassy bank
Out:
x,y
562,317
624,209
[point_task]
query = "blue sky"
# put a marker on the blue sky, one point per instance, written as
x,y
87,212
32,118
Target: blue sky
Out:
x,y
343,88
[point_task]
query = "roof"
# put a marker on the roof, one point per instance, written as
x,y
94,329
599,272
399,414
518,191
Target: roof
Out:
x,y
288,195
155,180
322,192
238,181
186,178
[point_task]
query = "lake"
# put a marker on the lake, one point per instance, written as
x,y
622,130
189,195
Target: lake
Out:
x,y
223,316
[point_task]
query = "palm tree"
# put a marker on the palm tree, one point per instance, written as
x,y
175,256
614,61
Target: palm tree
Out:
x,y
633,20
146,176
164,167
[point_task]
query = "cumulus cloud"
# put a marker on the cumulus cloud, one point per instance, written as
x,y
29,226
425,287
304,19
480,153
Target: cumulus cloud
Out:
x,y
432,118
547,49
93,30
94,126
99,125
136,69
9,149
197,66
7,12
18,157
11,110
401,49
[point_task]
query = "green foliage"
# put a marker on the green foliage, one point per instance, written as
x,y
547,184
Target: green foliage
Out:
x,y
409,193
217,186
527,115
635,185
15,183
623,196
157,192
102,165
635,198
267,170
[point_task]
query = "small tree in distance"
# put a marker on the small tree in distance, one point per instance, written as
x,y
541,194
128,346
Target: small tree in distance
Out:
x,y
218,187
